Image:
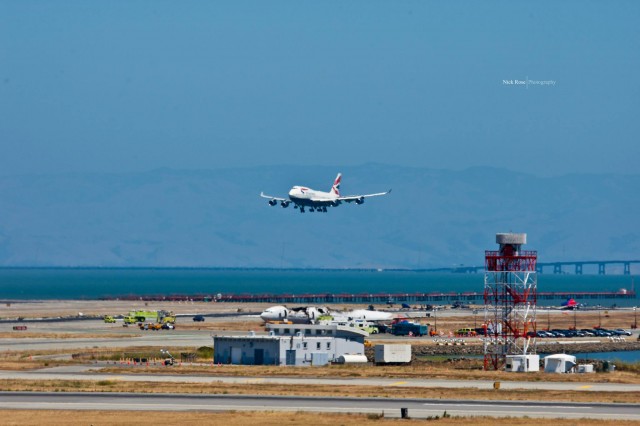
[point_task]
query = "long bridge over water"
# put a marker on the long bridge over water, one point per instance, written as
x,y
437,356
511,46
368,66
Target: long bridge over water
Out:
x,y
391,297
576,265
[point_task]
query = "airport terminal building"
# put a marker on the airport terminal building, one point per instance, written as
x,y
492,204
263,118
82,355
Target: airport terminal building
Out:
x,y
290,344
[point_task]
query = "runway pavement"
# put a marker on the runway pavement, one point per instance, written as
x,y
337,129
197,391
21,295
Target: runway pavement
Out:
x,y
83,372
390,407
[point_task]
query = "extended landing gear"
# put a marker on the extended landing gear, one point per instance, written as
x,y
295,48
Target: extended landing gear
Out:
x,y
311,209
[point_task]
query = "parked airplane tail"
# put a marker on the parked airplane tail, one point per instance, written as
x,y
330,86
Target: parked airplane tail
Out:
x,y
335,189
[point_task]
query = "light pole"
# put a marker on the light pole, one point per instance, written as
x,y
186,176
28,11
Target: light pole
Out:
x,y
548,318
635,318
575,312
475,313
599,318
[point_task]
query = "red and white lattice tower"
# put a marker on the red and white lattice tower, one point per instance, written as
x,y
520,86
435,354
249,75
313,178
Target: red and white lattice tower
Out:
x,y
510,296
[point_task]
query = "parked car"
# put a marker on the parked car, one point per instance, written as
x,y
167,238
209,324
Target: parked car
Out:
x,y
198,318
622,332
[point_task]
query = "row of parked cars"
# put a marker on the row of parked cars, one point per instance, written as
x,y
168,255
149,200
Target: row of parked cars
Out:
x,y
585,332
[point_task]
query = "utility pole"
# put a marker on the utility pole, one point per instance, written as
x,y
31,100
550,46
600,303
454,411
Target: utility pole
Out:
x,y
548,318
435,316
599,317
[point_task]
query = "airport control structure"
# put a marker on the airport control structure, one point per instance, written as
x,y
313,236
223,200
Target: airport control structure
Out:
x,y
510,296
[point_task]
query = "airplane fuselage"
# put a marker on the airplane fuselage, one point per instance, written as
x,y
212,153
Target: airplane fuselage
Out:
x,y
302,195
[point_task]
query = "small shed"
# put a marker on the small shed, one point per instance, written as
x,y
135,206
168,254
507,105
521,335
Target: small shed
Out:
x,y
585,368
559,363
522,363
392,354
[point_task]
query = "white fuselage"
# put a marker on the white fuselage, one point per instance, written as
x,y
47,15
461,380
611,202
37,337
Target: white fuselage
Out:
x,y
310,314
307,196
303,315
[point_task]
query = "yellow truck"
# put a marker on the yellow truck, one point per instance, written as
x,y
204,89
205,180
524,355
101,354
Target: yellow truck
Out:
x,y
161,317
109,319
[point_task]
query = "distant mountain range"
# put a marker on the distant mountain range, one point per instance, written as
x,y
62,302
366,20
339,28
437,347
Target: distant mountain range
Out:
x,y
433,218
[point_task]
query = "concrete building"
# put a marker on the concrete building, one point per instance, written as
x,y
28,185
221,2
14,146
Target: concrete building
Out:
x,y
290,344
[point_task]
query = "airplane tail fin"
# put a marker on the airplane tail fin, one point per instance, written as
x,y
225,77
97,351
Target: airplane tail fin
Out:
x,y
335,189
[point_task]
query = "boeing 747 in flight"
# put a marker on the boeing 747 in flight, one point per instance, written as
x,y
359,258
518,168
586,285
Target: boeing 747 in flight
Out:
x,y
302,197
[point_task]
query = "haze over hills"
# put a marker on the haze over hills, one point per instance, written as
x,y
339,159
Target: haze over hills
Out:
x,y
433,218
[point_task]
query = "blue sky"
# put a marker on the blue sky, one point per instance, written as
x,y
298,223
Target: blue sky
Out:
x,y
130,86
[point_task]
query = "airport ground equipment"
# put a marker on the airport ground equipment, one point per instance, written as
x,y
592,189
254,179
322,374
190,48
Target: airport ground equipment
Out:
x,y
168,358
109,319
151,326
161,317
510,298
351,359
410,329
392,354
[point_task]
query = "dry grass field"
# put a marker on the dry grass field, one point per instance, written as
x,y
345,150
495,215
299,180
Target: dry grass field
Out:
x,y
460,370
117,418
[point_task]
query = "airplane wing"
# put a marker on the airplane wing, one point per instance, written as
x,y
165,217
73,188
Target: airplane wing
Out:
x,y
360,198
263,195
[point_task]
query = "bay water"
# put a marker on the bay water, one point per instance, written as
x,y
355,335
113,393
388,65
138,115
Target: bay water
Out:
x,y
96,283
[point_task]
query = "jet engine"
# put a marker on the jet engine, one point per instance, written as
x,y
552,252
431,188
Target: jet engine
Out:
x,y
284,204
272,202
360,200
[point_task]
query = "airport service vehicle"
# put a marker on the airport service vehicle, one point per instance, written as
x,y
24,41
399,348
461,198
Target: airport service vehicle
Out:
x,y
109,319
151,326
198,318
302,197
409,329
161,317
168,358
367,326
392,354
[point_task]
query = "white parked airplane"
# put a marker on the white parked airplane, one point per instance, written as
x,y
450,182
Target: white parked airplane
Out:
x,y
311,314
302,197
302,315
